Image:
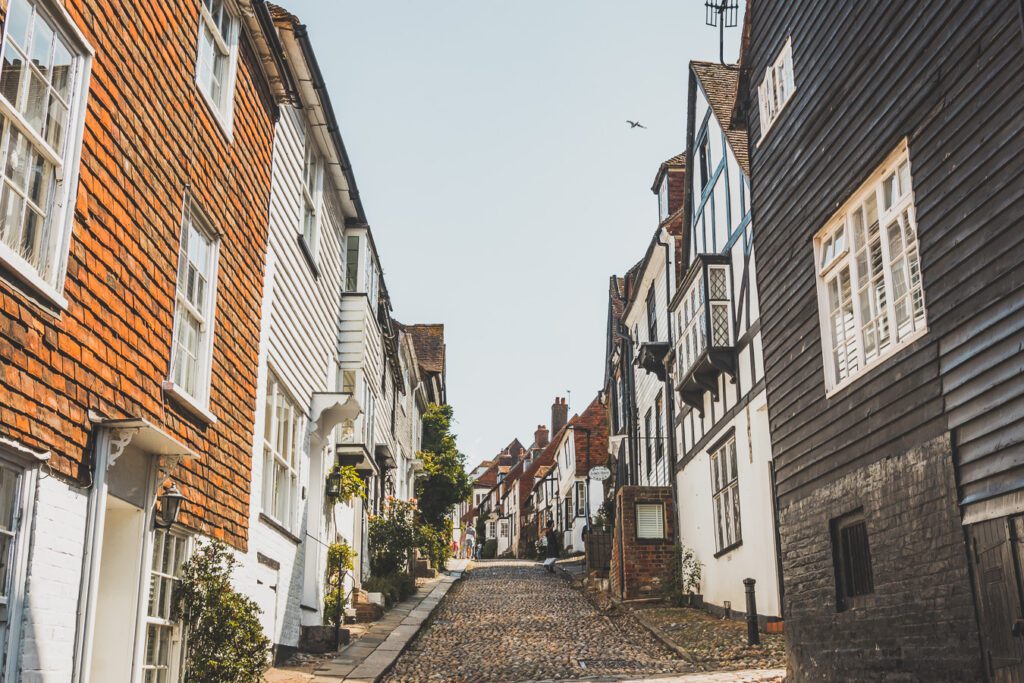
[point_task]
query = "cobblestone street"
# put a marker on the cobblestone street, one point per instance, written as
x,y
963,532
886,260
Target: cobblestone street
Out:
x,y
510,621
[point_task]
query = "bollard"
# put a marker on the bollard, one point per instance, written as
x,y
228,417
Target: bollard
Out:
x,y
753,637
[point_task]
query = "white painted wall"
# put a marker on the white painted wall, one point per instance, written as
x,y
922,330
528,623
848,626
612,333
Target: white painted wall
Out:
x,y
755,557
53,582
648,385
298,342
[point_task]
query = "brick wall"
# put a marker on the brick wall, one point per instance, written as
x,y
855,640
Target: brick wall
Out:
x,y
640,568
919,623
149,136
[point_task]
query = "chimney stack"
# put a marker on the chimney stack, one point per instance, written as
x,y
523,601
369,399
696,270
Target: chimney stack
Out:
x,y
559,415
540,437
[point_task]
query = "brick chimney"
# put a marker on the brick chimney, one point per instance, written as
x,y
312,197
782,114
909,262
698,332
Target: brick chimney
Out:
x,y
540,437
559,415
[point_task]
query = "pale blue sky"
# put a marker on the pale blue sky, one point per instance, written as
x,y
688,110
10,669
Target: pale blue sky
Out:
x,y
499,176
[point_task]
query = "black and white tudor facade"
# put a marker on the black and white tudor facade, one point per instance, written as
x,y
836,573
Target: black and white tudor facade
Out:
x,y
724,468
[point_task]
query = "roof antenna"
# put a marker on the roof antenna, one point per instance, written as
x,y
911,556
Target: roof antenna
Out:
x,y
723,14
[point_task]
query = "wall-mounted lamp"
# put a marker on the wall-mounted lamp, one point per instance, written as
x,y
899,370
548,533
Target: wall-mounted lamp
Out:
x,y
170,507
334,483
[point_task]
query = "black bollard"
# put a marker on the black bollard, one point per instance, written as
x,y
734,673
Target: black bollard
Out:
x,y
753,636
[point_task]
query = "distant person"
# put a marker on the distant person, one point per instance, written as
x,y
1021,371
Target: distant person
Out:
x,y
552,547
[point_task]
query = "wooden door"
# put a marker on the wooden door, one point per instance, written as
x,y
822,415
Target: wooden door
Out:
x,y
997,550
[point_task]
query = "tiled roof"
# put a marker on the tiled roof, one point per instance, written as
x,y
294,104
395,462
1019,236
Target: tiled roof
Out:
x,y
593,450
428,339
278,13
721,84
489,478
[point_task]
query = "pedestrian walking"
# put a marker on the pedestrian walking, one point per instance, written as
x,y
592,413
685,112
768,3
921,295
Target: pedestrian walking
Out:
x,y
552,547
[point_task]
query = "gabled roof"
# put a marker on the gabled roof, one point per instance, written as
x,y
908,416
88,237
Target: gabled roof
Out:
x,y
677,162
489,478
720,83
591,450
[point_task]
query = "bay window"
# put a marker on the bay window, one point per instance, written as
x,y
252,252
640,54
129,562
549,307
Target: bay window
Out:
x,y
44,64
870,294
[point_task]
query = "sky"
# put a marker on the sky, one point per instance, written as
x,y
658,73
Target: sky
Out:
x,y
501,180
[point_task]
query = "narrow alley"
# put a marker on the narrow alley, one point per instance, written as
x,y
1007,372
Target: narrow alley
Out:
x,y
508,620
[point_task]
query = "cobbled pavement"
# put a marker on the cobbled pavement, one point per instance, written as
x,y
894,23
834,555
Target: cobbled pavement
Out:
x,y
512,621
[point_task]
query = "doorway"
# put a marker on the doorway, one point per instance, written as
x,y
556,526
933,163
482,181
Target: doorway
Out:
x,y
997,549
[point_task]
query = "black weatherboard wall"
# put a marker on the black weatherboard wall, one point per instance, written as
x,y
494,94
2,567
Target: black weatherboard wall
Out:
x,y
938,425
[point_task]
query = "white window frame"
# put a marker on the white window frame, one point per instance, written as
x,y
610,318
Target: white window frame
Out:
x,y
274,459
725,490
663,198
60,203
777,88
196,402
836,254
25,463
158,622
312,193
227,45
581,499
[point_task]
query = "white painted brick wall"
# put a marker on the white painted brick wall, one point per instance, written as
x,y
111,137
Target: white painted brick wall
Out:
x,y
53,582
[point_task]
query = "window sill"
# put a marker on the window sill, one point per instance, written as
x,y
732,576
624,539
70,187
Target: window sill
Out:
x,y
279,528
189,403
28,281
308,255
728,549
875,363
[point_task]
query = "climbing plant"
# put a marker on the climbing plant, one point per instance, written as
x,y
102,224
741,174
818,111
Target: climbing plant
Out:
x,y
340,557
445,483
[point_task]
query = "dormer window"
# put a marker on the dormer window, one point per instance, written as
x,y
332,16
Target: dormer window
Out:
x,y
663,198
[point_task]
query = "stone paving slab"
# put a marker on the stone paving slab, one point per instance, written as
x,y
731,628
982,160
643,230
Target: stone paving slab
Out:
x,y
745,676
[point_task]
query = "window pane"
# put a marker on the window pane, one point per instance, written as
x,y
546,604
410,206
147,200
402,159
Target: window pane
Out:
x,y
10,77
60,74
35,103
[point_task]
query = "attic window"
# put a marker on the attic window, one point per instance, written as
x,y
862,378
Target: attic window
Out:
x,y
776,88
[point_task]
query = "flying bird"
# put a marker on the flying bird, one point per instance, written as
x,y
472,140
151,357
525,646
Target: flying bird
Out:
x,y
635,124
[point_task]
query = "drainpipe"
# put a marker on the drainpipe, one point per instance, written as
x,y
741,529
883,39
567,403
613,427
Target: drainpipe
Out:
x,y
670,398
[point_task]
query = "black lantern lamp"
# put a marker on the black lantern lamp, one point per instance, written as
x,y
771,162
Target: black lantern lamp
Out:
x,y
334,483
170,508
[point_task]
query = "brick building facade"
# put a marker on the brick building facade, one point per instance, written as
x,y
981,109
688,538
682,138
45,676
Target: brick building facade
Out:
x,y
132,259
642,547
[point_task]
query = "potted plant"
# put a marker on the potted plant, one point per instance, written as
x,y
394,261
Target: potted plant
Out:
x,y
687,579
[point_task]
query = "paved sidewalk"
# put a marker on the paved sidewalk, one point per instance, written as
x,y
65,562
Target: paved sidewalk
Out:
x,y
366,659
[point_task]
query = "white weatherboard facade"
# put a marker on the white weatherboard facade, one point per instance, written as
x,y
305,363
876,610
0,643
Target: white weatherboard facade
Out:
x,y
285,566
653,456
724,488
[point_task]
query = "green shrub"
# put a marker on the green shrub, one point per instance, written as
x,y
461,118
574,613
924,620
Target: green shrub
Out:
x,y
225,642
340,556
392,537
490,549
435,544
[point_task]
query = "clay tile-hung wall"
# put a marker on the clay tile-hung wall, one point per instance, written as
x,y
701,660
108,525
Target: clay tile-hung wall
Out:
x,y
162,146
